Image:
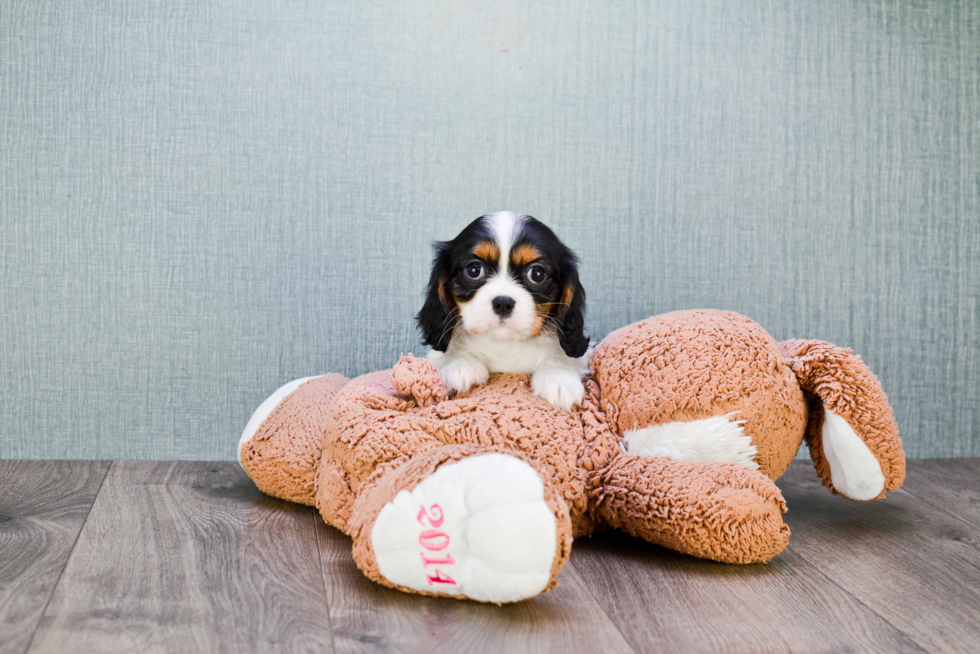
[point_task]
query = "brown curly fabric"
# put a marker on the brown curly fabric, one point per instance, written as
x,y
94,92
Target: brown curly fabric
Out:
x,y
374,429
282,456
720,511
596,452
411,377
386,431
690,365
839,380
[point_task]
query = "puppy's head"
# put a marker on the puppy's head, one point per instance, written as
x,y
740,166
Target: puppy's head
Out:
x,y
508,277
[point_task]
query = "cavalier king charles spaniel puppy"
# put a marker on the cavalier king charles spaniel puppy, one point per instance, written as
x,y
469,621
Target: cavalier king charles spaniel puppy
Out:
x,y
504,296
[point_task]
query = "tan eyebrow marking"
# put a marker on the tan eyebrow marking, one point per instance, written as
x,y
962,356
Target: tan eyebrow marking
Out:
x,y
524,254
488,251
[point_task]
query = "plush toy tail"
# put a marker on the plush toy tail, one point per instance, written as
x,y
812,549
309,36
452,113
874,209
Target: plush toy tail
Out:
x,y
851,432
281,445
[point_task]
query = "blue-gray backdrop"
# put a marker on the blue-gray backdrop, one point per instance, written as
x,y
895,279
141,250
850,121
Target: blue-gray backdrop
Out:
x,y
203,200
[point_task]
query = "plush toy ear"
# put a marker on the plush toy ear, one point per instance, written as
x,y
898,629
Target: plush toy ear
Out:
x,y
435,320
571,314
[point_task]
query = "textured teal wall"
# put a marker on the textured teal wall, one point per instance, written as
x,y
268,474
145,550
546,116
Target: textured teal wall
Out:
x,y
203,200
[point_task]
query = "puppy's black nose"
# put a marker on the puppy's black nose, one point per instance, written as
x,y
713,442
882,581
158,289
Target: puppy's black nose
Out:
x,y
503,306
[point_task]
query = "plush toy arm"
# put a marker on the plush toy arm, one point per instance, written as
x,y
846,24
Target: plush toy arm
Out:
x,y
720,511
418,379
851,433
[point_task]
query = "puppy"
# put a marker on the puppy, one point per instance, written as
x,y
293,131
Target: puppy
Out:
x,y
504,296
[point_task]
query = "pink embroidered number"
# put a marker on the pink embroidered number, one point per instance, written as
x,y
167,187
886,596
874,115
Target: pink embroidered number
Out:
x,y
447,560
435,520
435,541
440,578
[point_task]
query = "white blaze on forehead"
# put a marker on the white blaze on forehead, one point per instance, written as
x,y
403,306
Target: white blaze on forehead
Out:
x,y
504,225
477,315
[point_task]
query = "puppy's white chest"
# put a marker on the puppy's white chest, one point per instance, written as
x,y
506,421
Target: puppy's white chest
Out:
x,y
519,357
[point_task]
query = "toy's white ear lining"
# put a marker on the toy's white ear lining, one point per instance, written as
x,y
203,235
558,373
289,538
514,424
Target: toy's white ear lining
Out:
x,y
265,409
719,438
854,470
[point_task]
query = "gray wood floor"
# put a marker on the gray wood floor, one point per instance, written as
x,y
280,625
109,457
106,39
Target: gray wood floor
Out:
x,y
190,557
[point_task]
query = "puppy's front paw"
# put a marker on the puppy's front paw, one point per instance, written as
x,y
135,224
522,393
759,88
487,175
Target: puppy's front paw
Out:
x,y
562,389
460,375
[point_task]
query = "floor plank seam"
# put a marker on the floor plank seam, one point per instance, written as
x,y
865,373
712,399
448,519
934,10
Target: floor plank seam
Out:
x,y
314,514
61,573
890,578
972,527
819,572
945,511
599,606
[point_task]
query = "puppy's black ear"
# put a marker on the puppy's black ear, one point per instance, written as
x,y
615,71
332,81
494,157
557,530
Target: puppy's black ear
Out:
x,y
435,320
571,314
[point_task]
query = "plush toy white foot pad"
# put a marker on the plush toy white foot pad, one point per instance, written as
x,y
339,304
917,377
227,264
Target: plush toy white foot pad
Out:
x,y
479,528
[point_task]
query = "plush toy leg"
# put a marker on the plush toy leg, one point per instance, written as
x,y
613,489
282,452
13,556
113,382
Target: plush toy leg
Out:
x,y
851,433
721,511
462,521
280,447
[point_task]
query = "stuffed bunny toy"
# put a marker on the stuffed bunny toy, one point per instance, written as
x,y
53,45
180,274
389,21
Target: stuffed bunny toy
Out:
x,y
687,419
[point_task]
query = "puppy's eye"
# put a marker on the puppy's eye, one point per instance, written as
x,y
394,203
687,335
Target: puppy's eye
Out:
x,y
536,274
474,270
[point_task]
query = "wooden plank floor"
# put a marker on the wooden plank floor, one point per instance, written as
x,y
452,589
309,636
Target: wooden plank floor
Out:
x,y
190,557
